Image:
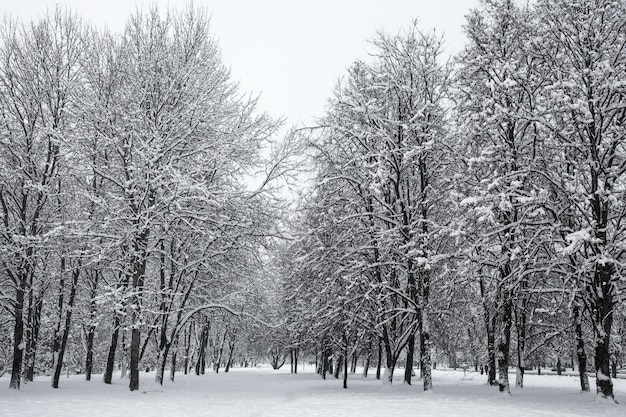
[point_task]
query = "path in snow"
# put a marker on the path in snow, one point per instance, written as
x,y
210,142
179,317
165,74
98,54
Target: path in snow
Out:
x,y
264,392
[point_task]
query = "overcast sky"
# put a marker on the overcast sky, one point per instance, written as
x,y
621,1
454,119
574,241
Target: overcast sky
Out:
x,y
289,52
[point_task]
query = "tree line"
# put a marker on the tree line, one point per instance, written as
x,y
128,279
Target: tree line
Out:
x,y
128,224
471,208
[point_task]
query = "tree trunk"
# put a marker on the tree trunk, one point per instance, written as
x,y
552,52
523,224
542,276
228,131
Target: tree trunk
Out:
x,y
338,367
18,335
201,361
231,352
161,362
108,373
410,348
92,326
33,337
220,353
345,366
56,342
368,357
521,346
135,342
491,336
139,272
187,347
425,356
391,366
504,342
174,354
164,345
296,353
603,321
66,331
380,357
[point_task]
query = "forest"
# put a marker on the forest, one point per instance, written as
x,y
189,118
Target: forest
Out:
x,y
464,211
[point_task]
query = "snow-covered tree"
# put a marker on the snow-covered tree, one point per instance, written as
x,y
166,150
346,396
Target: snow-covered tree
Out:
x,y
585,58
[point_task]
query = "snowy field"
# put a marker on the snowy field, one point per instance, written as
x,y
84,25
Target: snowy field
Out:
x,y
263,392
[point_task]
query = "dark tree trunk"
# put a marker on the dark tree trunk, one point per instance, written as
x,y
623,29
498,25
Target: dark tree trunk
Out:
x,y
603,321
139,272
326,362
56,341
201,361
490,327
174,354
380,357
504,342
220,354
18,334
162,361
296,353
410,351
520,325
165,290
345,366
231,352
108,373
33,338
66,330
92,327
187,347
559,370
135,342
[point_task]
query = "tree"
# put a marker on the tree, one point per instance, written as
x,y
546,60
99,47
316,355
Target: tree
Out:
x,y
586,120
497,95
40,69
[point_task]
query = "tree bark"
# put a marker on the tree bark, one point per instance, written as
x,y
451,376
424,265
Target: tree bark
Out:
x,y
108,373
66,330
380,357
33,338
139,272
56,343
491,336
504,341
174,354
296,354
18,334
603,321
521,346
368,357
410,350
92,326
425,355
110,366
345,366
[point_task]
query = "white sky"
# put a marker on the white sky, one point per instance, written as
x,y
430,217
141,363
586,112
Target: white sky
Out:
x,y
290,52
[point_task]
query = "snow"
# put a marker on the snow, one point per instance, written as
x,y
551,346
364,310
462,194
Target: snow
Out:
x,y
264,392
576,240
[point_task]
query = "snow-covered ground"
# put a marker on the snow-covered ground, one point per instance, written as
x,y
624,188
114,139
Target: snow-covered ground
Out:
x,y
264,392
